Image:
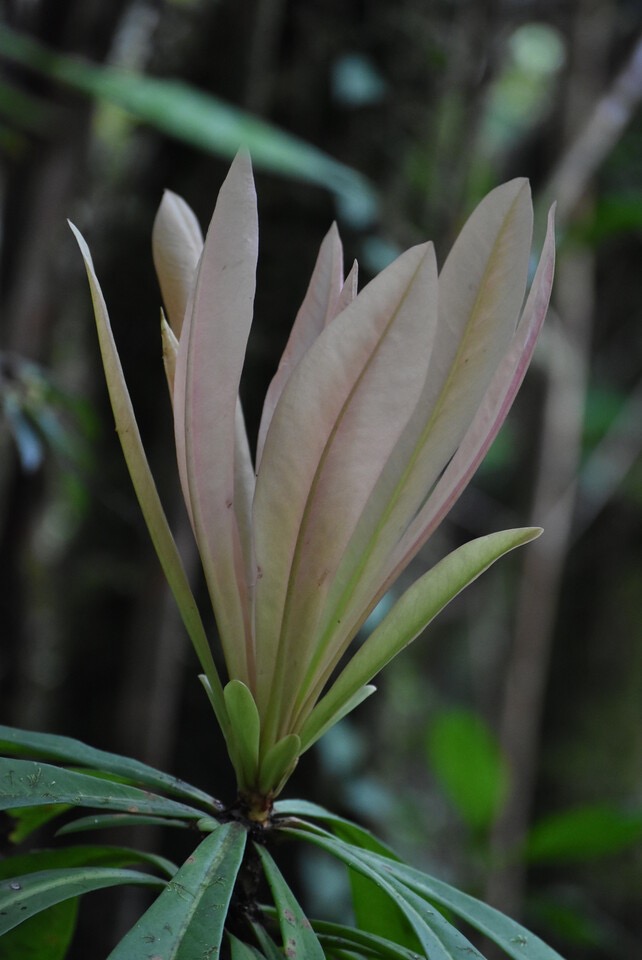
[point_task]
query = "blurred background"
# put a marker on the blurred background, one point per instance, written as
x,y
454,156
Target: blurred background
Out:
x,y
503,751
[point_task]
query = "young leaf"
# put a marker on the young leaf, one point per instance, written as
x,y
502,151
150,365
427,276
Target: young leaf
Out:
x,y
208,372
187,920
299,940
278,763
23,896
410,615
145,487
245,727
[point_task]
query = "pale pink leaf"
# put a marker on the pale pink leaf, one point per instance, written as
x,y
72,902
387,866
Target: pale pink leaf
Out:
x,y
145,488
208,370
338,419
313,315
490,416
177,243
481,290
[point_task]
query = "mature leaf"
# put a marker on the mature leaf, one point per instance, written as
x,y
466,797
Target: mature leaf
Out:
x,y
188,918
80,856
267,945
45,936
27,783
351,832
299,939
243,951
584,834
107,820
410,615
28,819
429,941
23,896
145,487
204,121
339,936
47,746
512,937
467,761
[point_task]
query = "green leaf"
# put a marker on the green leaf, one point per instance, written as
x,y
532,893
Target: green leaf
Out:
x,y
201,120
80,856
242,951
429,941
24,896
351,832
107,820
339,936
145,487
245,727
585,834
410,616
299,940
27,783
512,937
342,711
45,936
47,746
29,819
467,761
188,918
268,946
278,763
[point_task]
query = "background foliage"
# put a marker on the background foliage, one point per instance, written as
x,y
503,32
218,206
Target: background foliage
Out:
x,y
505,750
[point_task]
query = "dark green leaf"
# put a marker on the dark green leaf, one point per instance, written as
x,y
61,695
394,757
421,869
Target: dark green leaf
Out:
x,y
512,937
29,819
80,856
268,946
24,896
587,833
358,859
467,761
188,919
242,951
351,832
107,820
45,936
25,783
349,938
47,746
300,942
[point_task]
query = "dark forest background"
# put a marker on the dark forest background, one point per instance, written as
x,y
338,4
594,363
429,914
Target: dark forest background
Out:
x,y
503,751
